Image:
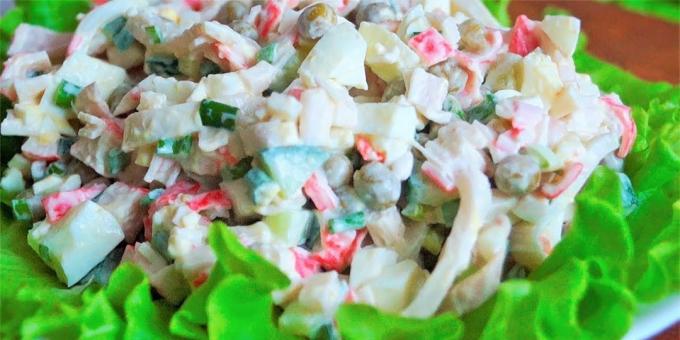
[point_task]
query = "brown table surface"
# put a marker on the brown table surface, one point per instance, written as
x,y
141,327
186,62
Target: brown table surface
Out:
x,y
645,46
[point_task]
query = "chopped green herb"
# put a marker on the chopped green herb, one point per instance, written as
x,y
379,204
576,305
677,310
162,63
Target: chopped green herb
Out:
x,y
150,197
163,65
451,104
483,112
114,26
116,32
21,210
208,67
267,53
66,93
174,147
154,34
116,160
240,169
56,168
351,221
218,115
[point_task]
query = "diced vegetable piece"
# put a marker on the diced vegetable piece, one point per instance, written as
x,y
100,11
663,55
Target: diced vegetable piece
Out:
x,y
20,163
208,67
433,242
38,170
288,73
151,196
64,145
74,245
628,195
116,32
66,94
267,53
351,221
483,112
56,168
290,226
174,147
147,127
114,26
312,234
12,181
217,114
240,194
291,166
154,34
163,65
21,210
540,77
425,192
547,159
58,204
116,161
263,188
239,170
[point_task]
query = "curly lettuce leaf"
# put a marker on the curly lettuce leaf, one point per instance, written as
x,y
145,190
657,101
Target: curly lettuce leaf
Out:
x,y
56,15
357,321
242,308
499,9
232,259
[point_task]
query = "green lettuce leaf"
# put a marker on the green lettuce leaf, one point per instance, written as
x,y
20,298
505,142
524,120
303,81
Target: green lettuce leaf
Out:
x,y
242,308
499,9
663,9
357,321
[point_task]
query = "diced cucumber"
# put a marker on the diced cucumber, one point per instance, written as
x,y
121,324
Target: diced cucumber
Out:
x,y
547,159
423,191
239,170
38,170
154,34
263,188
267,53
174,147
116,161
288,73
160,236
351,221
483,112
163,65
78,242
208,67
116,32
21,210
170,284
64,145
451,104
217,114
290,226
628,196
12,181
239,192
20,163
48,185
433,242
150,197
449,211
312,233
291,166
423,213
56,168
298,320
65,94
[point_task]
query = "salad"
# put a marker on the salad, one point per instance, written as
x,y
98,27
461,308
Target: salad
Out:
x,y
409,156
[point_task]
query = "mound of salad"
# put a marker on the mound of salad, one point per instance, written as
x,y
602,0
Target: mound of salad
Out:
x,y
358,169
